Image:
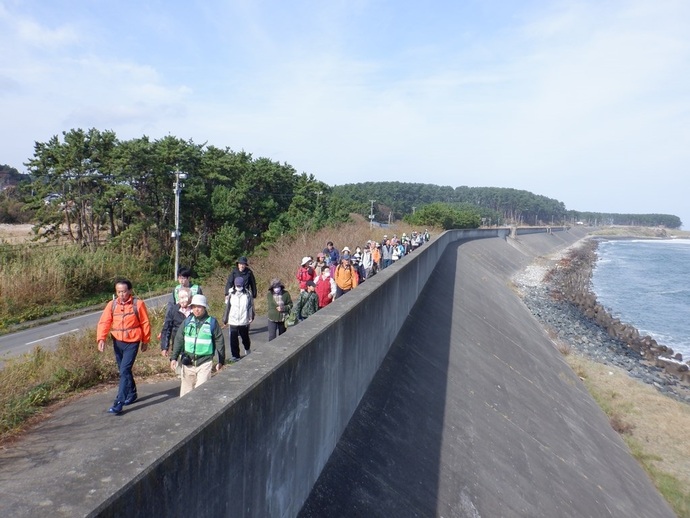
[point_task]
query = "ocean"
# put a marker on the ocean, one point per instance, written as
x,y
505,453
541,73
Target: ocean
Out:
x,y
646,283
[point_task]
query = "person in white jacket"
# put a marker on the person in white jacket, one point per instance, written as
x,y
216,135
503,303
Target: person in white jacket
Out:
x,y
367,261
239,313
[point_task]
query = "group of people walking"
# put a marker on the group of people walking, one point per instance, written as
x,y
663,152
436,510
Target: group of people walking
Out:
x,y
191,338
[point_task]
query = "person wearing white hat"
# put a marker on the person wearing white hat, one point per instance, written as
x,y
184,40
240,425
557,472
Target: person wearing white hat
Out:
x,y
197,341
305,273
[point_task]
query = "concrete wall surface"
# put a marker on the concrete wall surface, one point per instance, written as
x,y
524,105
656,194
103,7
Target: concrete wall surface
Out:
x,y
474,413
255,439
275,421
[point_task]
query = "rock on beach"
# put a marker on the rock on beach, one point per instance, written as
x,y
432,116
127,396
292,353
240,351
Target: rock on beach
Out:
x,y
557,291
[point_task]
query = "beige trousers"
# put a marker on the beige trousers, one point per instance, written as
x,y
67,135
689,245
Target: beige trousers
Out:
x,y
192,377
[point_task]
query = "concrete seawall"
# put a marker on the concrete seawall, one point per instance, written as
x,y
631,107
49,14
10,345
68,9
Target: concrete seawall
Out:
x,y
273,424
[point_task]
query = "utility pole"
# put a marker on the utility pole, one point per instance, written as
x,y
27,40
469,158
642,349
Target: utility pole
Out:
x,y
371,214
177,189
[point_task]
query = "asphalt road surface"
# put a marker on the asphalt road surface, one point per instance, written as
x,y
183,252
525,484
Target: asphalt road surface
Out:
x,y
47,335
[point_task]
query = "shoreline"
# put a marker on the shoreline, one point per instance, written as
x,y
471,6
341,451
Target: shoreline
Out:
x,y
571,330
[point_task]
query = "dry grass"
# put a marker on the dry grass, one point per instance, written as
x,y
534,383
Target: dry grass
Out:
x,y
642,232
15,234
37,280
654,426
282,260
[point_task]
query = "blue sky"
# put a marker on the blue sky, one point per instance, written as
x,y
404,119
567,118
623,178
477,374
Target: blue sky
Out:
x,y
584,101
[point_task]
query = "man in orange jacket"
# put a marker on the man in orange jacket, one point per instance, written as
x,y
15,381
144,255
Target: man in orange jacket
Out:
x,y
127,320
346,277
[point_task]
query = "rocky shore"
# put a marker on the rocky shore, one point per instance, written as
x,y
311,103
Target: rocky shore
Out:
x,y
557,292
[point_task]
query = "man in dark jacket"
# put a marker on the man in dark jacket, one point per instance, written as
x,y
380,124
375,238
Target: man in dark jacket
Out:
x,y
241,270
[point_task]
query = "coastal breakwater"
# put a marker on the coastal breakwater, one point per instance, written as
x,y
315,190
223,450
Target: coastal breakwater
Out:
x,y
571,281
474,411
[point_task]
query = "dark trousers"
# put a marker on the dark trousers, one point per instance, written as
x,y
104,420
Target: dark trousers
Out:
x,y
386,263
275,329
339,292
235,333
125,354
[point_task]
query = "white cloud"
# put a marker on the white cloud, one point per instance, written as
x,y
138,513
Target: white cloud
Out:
x,y
553,99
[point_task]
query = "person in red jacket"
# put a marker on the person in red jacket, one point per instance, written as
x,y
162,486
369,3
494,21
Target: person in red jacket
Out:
x,y
325,288
126,319
305,273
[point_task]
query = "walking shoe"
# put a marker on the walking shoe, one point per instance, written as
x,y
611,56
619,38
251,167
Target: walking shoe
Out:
x,y
116,408
130,400
235,359
247,351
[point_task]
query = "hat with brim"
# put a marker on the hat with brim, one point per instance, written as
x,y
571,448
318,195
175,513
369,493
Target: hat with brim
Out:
x,y
199,300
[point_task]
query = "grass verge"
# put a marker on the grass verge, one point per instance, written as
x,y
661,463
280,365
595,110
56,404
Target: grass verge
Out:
x,y
653,426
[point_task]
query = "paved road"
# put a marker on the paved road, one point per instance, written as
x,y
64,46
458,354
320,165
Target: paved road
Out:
x,y
47,336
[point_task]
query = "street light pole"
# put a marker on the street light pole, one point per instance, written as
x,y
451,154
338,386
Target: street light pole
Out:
x,y
176,234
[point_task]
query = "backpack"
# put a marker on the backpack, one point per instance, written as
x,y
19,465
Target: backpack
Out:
x,y
305,274
134,306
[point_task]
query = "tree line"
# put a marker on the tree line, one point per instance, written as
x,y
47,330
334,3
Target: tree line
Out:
x,y
96,190
493,205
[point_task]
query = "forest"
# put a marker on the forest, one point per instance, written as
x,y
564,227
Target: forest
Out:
x,y
495,205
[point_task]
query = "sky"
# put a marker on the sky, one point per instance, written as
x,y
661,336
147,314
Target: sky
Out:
x,y
587,102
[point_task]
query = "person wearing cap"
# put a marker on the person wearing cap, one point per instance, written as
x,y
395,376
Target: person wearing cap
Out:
x,y
243,270
126,319
332,255
197,341
345,276
325,288
239,313
344,251
307,302
305,273
279,304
